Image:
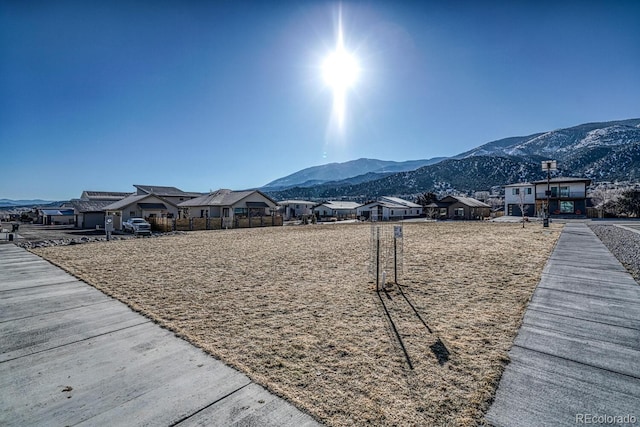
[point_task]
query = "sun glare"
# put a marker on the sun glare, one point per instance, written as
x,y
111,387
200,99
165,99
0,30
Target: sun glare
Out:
x,y
340,70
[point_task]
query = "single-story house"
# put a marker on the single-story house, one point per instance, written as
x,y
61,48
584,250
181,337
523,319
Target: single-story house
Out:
x,y
437,210
89,213
336,209
389,208
296,208
56,216
89,210
140,206
466,208
229,205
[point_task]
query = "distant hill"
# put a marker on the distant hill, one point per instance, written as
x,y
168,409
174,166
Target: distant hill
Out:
x,y
607,151
318,175
33,202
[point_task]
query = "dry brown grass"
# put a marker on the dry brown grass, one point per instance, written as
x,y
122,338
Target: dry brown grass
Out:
x,y
294,308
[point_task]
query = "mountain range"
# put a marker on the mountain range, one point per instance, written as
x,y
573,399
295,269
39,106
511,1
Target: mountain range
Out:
x,y
21,203
606,151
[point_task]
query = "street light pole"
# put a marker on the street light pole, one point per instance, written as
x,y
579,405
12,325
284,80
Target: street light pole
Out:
x,y
548,165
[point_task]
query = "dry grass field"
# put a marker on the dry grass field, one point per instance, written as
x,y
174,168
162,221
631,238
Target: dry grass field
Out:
x,y
296,310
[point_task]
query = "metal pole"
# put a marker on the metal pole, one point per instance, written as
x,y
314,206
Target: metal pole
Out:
x,y
395,260
548,193
378,259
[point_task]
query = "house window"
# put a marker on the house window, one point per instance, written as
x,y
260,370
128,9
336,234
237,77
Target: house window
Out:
x,y
564,191
443,211
132,213
566,207
240,211
225,212
459,212
516,191
391,212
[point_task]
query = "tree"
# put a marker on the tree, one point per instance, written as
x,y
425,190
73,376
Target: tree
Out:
x,y
522,194
604,199
629,202
431,212
427,198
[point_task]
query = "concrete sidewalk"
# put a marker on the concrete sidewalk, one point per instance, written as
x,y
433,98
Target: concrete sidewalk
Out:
x,y
71,355
576,359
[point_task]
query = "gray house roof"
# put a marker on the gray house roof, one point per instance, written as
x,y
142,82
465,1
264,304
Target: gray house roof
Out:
x,y
164,191
57,212
468,201
223,197
120,204
85,206
340,205
135,198
520,184
400,202
295,202
103,195
563,179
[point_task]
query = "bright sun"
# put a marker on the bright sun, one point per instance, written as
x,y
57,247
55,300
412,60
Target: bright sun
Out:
x,y
341,71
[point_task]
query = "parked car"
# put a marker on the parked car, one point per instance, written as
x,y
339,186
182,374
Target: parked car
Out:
x,y
137,226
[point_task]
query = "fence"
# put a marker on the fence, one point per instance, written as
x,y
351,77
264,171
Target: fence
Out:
x,y
195,224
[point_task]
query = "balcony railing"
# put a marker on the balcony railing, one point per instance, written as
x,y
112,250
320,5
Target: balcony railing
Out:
x,y
562,195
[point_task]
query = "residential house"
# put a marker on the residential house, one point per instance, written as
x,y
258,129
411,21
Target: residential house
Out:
x,y
437,210
515,195
89,210
465,208
296,208
230,206
567,196
56,216
148,202
89,213
336,209
389,208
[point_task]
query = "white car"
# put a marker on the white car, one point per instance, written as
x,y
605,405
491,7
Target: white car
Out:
x,y
137,226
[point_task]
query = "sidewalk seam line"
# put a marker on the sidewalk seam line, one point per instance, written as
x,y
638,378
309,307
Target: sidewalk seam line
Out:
x,y
51,312
209,405
76,342
576,361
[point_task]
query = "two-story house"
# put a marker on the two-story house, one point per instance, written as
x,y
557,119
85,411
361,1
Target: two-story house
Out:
x,y
567,197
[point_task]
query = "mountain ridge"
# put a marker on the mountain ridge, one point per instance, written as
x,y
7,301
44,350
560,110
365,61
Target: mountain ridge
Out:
x,y
316,175
604,151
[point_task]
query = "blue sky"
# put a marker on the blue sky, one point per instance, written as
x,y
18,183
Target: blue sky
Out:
x,y
229,94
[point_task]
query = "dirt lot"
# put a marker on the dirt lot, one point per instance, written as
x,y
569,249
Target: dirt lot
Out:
x,y
296,310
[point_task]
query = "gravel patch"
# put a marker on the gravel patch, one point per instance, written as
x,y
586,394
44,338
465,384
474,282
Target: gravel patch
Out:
x,y
623,244
33,244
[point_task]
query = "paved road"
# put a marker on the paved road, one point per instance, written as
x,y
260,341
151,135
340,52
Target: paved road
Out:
x,y
577,354
71,355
